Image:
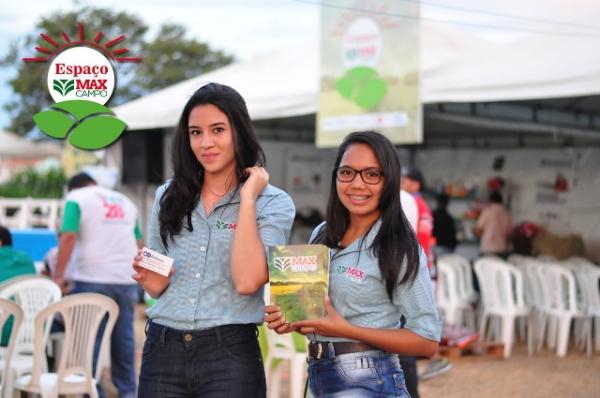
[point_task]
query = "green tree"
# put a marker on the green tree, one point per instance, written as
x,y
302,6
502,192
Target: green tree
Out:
x,y
171,58
30,183
167,59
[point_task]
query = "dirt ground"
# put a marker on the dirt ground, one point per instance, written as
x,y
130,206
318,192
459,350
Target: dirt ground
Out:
x,y
540,376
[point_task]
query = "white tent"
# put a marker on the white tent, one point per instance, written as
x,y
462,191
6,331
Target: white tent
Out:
x,y
456,66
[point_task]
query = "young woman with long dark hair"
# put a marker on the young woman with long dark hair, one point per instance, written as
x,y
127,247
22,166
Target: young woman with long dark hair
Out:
x,y
378,274
214,217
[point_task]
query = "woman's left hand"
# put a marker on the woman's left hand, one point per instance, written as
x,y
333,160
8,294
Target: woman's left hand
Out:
x,y
258,178
331,325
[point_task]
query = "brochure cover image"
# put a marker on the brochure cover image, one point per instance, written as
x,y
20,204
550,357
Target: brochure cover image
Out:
x,y
299,280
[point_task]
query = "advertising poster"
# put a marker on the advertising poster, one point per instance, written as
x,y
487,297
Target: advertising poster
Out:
x,y
369,71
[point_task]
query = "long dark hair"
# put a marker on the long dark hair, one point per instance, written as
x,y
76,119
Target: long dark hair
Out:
x,y
183,193
395,243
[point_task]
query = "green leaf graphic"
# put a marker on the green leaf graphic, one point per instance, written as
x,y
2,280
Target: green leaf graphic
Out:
x,y
345,86
97,132
57,86
363,86
55,124
371,93
92,125
63,86
70,86
82,108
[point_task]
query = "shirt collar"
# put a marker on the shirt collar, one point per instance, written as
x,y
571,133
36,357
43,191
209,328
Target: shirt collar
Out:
x,y
365,242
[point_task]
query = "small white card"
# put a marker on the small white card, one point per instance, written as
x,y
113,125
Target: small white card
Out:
x,y
156,262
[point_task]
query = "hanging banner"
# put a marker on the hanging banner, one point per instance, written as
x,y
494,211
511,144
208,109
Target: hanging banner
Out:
x,y
369,71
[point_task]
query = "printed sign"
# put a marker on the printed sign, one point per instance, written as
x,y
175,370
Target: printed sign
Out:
x,y
369,71
81,80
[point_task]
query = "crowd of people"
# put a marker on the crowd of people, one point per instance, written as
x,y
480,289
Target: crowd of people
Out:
x,y
215,217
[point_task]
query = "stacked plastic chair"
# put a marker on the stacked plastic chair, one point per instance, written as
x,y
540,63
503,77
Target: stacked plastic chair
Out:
x,y
455,294
32,294
564,308
503,301
9,309
83,315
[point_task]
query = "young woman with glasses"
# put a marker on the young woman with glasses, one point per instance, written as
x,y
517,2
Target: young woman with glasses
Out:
x,y
377,275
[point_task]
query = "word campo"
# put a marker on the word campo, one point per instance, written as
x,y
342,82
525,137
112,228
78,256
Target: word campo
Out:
x,y
76,70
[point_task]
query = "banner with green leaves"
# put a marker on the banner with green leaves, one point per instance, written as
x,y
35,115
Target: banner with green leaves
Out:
x,y
369,71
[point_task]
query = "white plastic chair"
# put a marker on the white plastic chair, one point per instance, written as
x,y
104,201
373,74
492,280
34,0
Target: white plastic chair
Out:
x,y
589,278
467,297
32,293
463,265
451,302
83,315
281,348
536,297
560,284
501,287
7,309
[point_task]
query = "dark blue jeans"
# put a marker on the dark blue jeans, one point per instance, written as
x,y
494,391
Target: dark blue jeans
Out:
x,y
224,361
360,374
122,340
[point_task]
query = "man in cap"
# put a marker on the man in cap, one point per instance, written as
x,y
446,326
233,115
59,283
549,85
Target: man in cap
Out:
x,y
104,225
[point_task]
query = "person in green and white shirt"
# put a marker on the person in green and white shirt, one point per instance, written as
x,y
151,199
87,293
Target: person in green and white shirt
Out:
x,y
103,224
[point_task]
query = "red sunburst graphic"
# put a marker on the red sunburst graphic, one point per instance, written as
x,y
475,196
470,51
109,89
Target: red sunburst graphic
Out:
x,y
57,47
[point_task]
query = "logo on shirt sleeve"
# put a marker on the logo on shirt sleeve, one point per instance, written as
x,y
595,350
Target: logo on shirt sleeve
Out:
x,y
353,273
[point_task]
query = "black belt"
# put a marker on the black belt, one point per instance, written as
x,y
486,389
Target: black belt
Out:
x,y
320,349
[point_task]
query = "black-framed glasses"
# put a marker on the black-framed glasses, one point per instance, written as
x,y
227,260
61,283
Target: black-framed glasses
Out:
x,y
370,175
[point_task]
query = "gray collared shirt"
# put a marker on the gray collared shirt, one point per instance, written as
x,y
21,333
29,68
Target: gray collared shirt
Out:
x,y
201,293
357,292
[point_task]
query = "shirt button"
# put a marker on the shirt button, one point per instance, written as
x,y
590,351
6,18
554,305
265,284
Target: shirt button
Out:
x,y
202,248
197,274
193,301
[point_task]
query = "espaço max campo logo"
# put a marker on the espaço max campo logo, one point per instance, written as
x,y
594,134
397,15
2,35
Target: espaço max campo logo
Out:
x,y
81,80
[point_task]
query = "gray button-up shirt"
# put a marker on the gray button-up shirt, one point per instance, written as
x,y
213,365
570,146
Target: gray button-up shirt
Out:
x,y
357,292
201,293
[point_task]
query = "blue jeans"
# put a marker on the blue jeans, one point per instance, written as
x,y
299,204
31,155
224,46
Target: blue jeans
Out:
x,y
359,374
122,340
224,361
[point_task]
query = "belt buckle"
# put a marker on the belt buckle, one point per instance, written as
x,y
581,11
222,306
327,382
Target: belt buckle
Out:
x,y
319,346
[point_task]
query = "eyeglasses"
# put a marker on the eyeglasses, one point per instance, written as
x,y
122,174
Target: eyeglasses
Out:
x,y
370,175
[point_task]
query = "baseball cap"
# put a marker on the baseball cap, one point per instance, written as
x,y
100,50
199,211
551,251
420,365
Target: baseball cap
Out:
x,y
414,174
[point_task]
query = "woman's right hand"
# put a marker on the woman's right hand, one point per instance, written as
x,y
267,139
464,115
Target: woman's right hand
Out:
x,y
152,282
275,321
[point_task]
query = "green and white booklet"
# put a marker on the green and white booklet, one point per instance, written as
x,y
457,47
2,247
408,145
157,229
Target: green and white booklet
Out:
x,y
299,280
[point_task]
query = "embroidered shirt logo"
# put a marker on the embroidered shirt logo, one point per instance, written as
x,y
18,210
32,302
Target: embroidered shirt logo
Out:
x,y
225,226
353,273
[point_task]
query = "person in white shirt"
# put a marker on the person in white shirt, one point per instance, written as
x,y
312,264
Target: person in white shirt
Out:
x,y
409,207
103,224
